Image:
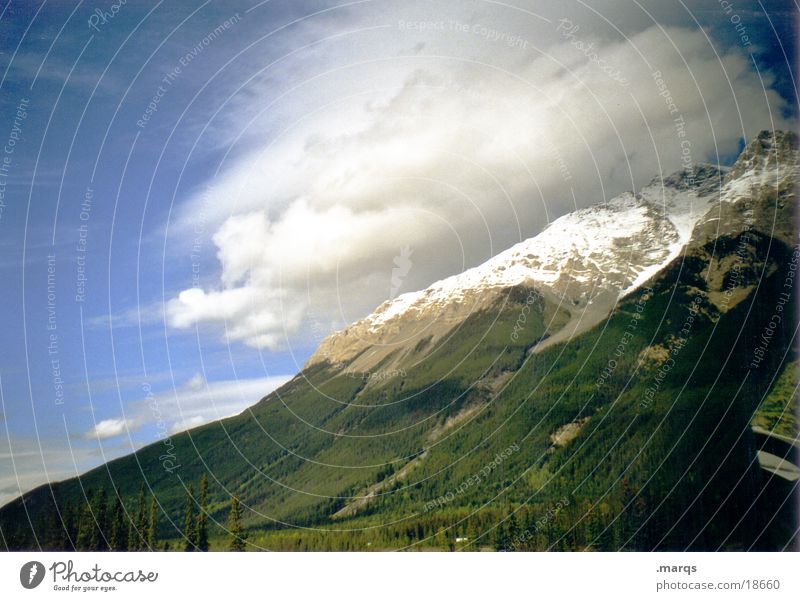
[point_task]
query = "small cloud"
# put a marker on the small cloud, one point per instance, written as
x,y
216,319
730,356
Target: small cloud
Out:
x,y
196,403
29,461
188,424
196,382
141,315
199,402
109,428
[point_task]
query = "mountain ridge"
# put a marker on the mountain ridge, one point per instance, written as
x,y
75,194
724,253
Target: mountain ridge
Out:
x,y
586,259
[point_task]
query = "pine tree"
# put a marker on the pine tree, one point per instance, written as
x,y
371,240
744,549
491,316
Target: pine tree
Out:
x,y
133,536
513,532
190,532
50,533
640,540
624,525
141,520
119,532
599,534
501,540
67,540
235,527
85,528
135,530
202,518
152,530
99,518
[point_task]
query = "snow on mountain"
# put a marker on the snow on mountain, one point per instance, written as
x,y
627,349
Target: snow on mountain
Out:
x,y
599,253
614,246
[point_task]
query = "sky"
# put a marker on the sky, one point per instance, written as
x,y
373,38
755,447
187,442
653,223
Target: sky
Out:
x,y
193,194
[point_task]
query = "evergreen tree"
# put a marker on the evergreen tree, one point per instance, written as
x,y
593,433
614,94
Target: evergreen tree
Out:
x,y
152,530
141,520
235,527
50,536
133,536
202,518
98,514
85,526
119,530
640,541
190,529
513,532
67,540
501,540
135,530
599,534
624,526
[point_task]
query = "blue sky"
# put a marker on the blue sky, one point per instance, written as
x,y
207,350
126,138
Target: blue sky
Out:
x,y
196,193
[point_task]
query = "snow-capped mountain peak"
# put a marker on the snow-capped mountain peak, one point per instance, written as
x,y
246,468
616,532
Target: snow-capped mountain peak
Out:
x,y
613,246
592,256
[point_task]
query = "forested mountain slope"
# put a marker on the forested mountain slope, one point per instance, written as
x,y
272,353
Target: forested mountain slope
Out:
x,y
598,393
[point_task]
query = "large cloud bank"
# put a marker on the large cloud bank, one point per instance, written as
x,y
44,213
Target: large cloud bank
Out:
x,y
456,162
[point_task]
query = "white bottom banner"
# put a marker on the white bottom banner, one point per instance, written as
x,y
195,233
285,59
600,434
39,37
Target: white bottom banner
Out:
x,y
388,576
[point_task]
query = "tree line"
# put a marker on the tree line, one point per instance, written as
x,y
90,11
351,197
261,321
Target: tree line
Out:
x,y
107,523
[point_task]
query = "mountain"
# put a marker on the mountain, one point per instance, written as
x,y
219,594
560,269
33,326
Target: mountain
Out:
x,y
583,262
617,382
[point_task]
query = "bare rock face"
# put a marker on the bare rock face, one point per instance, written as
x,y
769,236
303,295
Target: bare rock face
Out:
x,y
758,192
741,236
585,260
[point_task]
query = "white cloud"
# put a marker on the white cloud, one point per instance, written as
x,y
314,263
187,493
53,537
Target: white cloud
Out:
x,y
26,463
459,162
196,382
199,402
195,403
187,424
140,315
110,428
